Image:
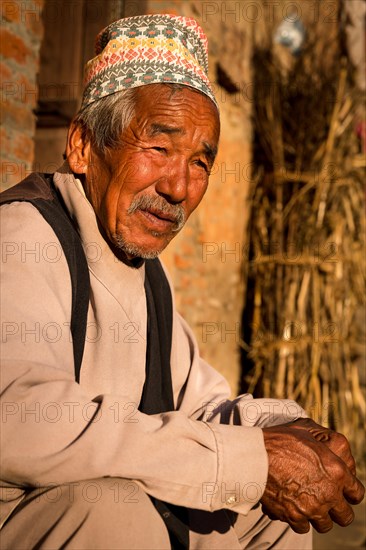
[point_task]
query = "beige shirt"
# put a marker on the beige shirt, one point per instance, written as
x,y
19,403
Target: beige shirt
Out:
x,y
56,431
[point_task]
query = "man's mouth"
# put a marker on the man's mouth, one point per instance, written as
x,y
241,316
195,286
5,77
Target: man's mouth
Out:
x,y
159,215
160,221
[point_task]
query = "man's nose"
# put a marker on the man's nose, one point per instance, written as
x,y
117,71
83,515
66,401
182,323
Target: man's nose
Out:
x,y
173,184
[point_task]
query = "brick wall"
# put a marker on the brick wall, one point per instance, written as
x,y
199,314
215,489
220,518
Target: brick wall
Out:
x,y
20,39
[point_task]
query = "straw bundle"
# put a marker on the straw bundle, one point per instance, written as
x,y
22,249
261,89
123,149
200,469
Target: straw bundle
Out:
x,y
305,272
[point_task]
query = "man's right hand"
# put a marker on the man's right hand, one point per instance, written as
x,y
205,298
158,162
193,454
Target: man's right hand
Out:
x,y
307,483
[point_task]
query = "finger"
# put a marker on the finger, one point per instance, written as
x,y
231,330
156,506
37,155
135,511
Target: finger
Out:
x,y
342,514
268,513
340,446
353,490
350,462
322,524
300,527
346,455
344,452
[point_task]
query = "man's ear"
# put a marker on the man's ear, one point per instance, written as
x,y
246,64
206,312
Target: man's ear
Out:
x,y
77,150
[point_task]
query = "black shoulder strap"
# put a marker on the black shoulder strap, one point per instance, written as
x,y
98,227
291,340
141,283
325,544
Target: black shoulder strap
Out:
x,y
157,395
38,189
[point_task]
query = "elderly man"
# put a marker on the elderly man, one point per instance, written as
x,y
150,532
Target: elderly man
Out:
x,y
121,436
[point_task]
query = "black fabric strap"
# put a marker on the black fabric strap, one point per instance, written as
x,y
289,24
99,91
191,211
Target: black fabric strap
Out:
x,y
79,274
157,396
39,190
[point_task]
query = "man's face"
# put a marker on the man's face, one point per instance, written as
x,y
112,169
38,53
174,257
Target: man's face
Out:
x,y
145,189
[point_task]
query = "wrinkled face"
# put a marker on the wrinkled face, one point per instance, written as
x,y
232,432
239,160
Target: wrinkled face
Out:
x,y
145,189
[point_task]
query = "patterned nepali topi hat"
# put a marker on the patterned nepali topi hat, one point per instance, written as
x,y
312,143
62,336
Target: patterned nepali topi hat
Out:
x,y
148,49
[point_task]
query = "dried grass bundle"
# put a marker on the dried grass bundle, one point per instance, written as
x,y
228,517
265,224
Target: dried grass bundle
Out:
x,y
303,326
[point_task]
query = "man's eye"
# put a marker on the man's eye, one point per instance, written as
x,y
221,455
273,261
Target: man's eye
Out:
x,y
159,149
203,165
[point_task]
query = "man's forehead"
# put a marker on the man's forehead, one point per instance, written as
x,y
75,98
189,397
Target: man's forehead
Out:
x,y
162,105
156,128
172,126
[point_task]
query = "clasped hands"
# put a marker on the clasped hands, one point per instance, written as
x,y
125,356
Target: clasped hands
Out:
x,y
312,477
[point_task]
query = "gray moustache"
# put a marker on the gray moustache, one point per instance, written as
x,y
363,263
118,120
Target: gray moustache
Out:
x,y
146,202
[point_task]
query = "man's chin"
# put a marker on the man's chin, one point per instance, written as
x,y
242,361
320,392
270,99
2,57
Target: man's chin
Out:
x,y
133,250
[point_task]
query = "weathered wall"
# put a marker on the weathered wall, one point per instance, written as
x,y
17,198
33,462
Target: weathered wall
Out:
x,y
20,39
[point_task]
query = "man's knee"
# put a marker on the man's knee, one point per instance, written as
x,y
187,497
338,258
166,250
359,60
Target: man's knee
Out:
x,y
99,513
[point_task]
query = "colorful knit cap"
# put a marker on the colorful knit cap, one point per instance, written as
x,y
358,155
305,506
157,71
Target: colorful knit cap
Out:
x,y
148,49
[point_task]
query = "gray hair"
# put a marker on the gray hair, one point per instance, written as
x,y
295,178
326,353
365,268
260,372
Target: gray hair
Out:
x,y
103,121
